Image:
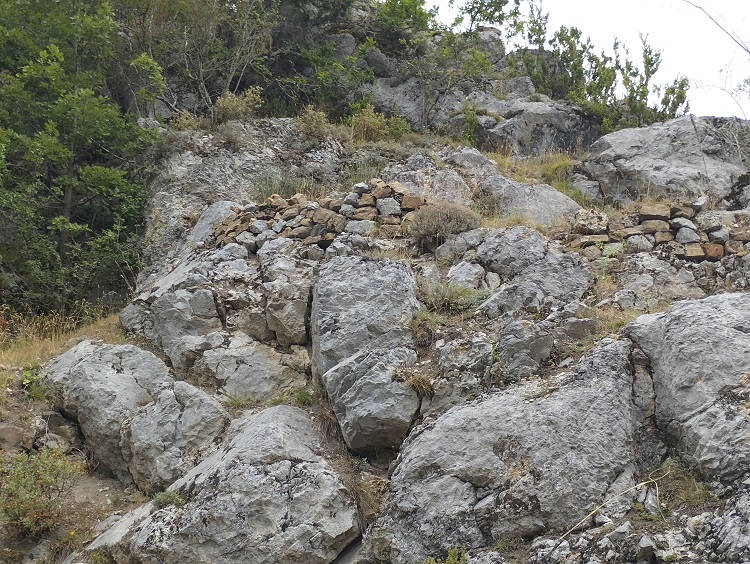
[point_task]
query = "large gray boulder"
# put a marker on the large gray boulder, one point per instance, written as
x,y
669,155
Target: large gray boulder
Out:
x,y
267,497
700,379
681,159
505,467
539,203
375,410
287,282
534,271
360,303
166,438
136,421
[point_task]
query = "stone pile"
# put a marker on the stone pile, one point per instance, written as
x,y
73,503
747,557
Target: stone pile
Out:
x,y
374,206
677,231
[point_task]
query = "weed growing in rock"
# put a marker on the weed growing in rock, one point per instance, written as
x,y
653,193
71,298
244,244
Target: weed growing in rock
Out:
x,y
431,224
168,498
454,557
423,327
240,402
368,125
450,299
420,382
100,557
303,397
32,490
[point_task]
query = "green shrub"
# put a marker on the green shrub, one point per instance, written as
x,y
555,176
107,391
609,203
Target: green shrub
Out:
x,y
313,122
188,121
454,557
167,498
303,397
368,125
32,488
432,224
242,107
450,299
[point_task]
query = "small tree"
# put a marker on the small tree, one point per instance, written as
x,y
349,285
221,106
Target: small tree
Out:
x,y
32,489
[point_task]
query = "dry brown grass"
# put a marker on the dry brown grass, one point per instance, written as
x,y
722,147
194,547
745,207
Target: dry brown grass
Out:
x,y
549,167
28,341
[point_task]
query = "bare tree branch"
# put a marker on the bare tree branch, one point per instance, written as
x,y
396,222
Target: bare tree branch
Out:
x,y
744,46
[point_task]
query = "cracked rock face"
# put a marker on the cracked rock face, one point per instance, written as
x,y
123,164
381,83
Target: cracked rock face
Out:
x,y
682,158
136,420
503,468
699,363
268,497
360,303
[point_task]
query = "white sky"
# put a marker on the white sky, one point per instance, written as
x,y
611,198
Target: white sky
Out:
x,y
690,43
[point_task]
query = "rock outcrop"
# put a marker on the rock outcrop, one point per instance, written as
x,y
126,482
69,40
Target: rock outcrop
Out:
x,y
683,159
268,496
135,419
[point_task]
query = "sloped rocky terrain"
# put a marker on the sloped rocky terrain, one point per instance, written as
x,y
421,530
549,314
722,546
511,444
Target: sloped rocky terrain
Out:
x,y
314,385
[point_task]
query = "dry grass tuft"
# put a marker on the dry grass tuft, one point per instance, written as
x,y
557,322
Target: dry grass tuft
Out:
x,y
28,341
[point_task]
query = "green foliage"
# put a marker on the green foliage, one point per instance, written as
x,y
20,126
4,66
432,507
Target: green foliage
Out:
x,y
333,80
492,12
70,198
368,125
572,69
167,498
147,82
205,47
398,17
313,122
431,224
32,487
454,557
471,126
303,397
446,62
232,107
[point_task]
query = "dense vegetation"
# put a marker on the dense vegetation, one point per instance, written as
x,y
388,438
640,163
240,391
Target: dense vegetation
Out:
x,y
75,75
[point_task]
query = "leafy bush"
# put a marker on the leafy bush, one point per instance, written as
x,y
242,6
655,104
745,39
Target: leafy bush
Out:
x,y
449,298
32,488
232,107
167,498
454,557
397,16
431,224
313,122
368,125
185,120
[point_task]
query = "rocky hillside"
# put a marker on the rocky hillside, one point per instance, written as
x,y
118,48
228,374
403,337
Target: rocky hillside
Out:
x,y
355,375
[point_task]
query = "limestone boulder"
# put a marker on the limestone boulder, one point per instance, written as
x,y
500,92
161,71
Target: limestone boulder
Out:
x,y
539,203
268,497
168,437
531,269
358,304
246,368
682,159
136,420
505,467
701,380
375,409
648,282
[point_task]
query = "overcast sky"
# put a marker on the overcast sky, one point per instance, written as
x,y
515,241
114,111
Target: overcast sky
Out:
x,y
690,43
